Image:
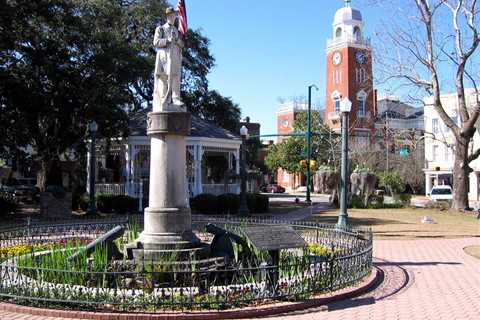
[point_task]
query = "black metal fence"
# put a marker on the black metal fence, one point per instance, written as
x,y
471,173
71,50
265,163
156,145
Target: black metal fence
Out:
x,y
192,285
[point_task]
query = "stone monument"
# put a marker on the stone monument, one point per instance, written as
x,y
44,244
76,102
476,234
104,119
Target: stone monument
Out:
x,y
167,218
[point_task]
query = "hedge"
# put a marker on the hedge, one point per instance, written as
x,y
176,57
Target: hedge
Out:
x,y
228,203
108,203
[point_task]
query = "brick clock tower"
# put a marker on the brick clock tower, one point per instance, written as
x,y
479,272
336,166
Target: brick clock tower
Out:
x,y
349,74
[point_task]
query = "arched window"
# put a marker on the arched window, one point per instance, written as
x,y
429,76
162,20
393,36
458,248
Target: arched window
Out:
x,y
361,109
338,33
336,97
357,34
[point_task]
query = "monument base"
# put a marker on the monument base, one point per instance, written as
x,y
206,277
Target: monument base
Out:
x,y
166,230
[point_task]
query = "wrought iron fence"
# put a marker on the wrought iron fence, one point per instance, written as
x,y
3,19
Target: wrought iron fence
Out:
x,y
138,286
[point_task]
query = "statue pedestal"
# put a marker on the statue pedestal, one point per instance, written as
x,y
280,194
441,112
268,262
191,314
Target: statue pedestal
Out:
x,y
168,224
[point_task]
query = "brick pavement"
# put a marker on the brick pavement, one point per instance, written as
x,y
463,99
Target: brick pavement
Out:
x,y
424,279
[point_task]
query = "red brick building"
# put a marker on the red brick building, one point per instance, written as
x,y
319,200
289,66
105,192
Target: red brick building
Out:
x,y
286,116
349,74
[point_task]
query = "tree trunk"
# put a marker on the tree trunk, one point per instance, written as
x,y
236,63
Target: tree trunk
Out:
x,y
50,173
461,172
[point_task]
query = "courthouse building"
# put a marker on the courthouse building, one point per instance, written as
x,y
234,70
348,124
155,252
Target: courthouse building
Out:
x,y
439,141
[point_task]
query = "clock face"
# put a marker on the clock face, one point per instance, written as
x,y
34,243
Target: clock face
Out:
x,y
337,58
285,123
360,57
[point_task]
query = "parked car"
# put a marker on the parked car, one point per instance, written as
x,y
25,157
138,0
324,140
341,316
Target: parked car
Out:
x,y
441,193
272,188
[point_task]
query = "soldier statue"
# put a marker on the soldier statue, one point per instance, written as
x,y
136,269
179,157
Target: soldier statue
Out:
x,y
168,65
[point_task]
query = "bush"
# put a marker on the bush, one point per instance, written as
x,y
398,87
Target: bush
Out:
x,y
392,181
108,203
228,203
105,202
405,198
258,203
7,204
357,203
125,204
205,203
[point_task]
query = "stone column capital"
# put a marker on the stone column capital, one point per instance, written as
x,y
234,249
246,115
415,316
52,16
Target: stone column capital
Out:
x,y
169,123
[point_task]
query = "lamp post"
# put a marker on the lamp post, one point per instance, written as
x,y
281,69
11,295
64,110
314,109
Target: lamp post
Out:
x,y
345,107
309,140
243,211
92,128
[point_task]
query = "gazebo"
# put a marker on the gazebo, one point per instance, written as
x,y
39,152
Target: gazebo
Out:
x,y
213,155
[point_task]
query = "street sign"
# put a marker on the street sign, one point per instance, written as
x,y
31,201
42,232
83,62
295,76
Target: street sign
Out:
x,y
403,152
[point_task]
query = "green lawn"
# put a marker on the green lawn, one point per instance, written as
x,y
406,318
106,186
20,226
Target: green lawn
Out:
x,y
406,223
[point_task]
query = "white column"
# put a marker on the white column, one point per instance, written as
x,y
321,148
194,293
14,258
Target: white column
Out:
x,y
89,156
133,158
127,168
237,159
428,183
198,156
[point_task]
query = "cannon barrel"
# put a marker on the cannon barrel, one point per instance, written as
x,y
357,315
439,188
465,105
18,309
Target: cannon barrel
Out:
x,y
105,239
217,231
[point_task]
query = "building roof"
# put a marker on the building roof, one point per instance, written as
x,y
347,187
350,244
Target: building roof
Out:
x,y
396,109
200,127
347,14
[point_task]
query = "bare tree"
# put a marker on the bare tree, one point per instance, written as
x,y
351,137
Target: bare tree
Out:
x,y
437,39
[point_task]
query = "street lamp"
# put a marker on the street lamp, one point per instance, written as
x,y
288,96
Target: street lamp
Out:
x,y
345,107
309,140
92,128
243,211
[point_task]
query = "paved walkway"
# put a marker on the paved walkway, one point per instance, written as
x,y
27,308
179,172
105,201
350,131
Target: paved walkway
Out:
x,y
424,279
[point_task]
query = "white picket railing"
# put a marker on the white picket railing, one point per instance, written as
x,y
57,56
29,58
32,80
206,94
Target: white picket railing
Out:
x,y
218,189
134,189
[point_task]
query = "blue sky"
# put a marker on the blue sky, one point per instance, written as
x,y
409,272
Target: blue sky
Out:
x,y
269,49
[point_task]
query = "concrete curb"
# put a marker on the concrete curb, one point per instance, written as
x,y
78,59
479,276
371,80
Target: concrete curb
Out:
x,y
372,281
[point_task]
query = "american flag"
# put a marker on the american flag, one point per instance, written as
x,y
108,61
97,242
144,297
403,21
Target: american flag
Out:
x,y
182,13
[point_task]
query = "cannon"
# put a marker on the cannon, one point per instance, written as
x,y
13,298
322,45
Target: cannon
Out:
x,y
221,245
104,240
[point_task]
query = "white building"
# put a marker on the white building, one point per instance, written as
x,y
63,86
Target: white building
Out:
x,y
439,145
213,160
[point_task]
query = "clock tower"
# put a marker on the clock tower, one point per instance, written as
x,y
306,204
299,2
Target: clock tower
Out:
x,y
349,74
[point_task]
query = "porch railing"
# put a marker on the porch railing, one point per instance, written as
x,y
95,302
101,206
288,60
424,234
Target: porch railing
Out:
x,y
132,189
218,189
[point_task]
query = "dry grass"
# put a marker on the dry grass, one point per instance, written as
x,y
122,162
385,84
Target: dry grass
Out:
x,y
474,251
406,223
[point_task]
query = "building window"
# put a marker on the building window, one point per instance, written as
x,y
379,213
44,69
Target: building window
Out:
x,y
337,76
357,34
338,33
435,125
360,75
447,153
361,107
435,153
336,105
285,176
361,98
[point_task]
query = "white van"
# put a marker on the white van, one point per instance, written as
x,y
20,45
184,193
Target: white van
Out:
x,y
441,193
